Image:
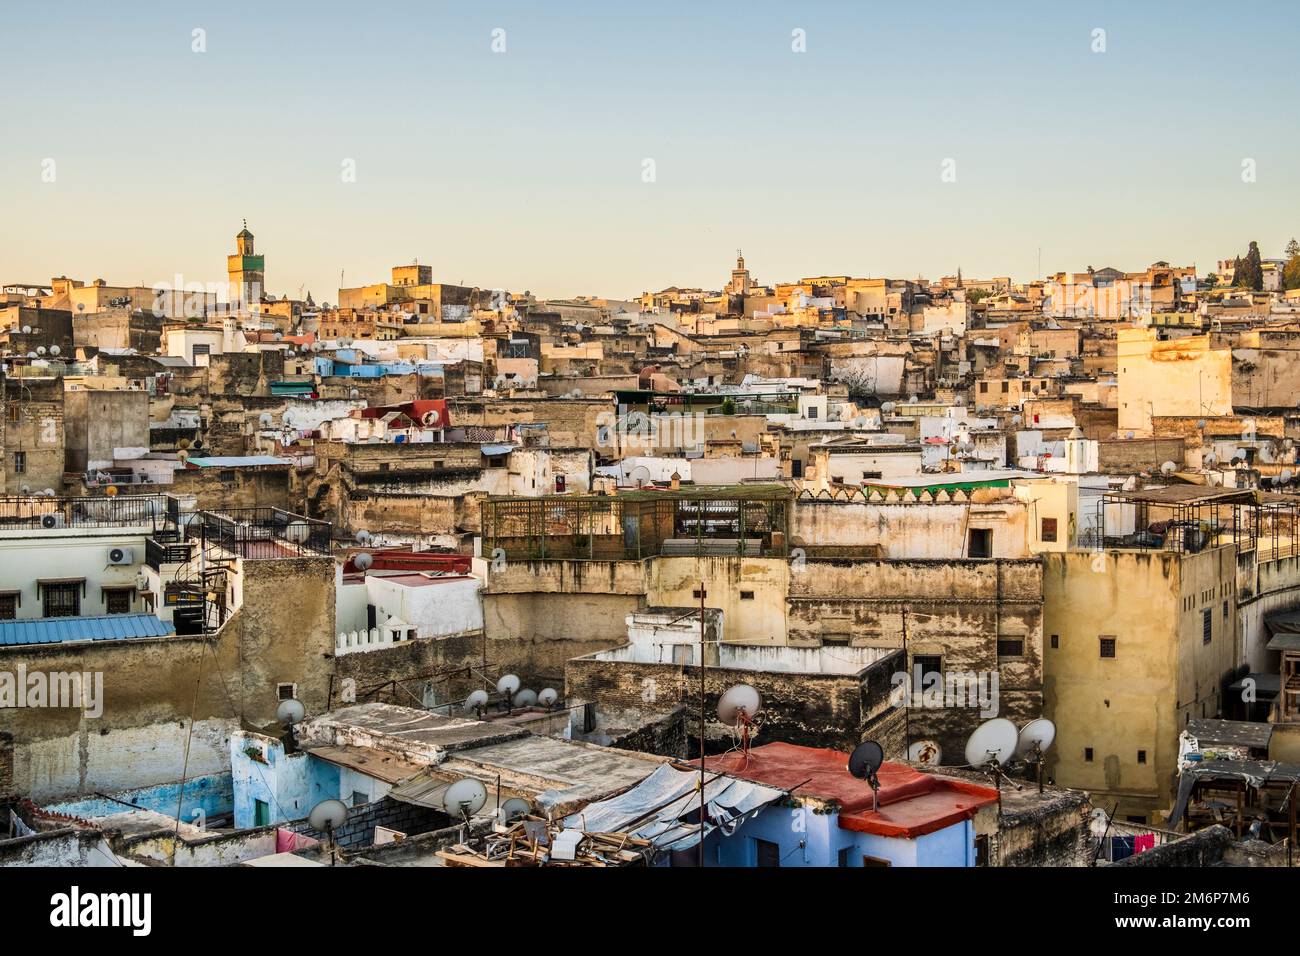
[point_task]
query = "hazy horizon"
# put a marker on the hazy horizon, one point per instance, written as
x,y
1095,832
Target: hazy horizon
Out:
x,y
524,169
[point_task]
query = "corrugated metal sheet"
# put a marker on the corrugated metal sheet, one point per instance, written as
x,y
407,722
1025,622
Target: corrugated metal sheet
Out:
x,y
238,461
662,808
58,630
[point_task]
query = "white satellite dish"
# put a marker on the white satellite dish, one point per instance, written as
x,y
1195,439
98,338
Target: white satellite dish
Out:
x,y
514,809
328,815
1168,468
298,532
926,752
1036,736
476,701
525,698
464,798
362,561
508,684
548,696
290,712
994,741
738,701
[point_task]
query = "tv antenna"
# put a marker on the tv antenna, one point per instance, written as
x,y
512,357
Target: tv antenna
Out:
x,y
1035,739
464,798
738,708
327,816
864,763
991,748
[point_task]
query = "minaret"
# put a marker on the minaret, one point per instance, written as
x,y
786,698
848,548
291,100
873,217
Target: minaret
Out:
x,y
740,283
246,271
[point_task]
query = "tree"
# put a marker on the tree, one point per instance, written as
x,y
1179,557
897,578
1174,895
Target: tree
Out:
x,y
1291,270
1249,271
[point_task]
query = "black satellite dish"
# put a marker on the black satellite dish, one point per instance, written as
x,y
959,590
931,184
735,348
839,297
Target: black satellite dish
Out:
x,y
863,764
866,759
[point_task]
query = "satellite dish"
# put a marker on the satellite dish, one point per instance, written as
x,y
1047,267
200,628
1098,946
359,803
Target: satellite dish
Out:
x,y
1168,468
54,350
266,419
1035,737
525,698
866,759
290,712
464,797
297,532
994,741
548,696
476,701
738,701
363,536
508,684
514,809
328,815
1286,475
362,561
926,752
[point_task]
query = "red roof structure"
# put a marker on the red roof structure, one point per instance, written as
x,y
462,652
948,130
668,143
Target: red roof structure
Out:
x,y
911,803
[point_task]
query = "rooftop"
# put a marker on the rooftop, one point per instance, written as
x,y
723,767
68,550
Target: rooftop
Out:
x,y
911,803
66,630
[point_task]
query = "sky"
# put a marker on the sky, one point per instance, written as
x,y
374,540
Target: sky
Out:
x,y
575,148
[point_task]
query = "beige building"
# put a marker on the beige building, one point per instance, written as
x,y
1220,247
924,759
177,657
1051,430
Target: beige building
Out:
x,y
1183,377
1136,643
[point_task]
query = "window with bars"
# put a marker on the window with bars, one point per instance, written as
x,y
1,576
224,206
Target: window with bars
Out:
x,y
117,600
1107,646
62,600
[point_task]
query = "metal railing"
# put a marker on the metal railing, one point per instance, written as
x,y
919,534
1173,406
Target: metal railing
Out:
x,y
259,532
48,512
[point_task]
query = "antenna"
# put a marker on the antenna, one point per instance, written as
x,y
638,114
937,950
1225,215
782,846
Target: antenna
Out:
x,y
1035,738
506,687
290,712
737,708
991,747
925,752
864,762
525,698
327,816
548,696
475,702
464,798
516,808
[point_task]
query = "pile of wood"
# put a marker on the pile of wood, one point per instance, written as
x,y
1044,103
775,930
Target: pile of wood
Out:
x,y
528,842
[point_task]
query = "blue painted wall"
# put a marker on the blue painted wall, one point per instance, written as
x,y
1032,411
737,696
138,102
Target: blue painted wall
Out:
x,y
212,794
289,784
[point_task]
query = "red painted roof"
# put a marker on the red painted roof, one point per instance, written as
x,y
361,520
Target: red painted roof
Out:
x,y
401,559
911,803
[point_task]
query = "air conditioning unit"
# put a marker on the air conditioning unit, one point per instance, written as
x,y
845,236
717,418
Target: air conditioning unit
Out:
x,y
120,556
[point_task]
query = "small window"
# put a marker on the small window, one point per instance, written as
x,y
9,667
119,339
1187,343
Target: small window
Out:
x,y
1056,641
1207,626
1049,530
699,595
1225,610
747,595
1142,756
9,606
1087,754
359,798
117,600
20,462
767,853
1136,819
286,691
875,861
980,543
1011,648
1107,647
984,387
929,664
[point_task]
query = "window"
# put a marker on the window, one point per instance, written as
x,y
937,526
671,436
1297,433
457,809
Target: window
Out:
x,y
1011,648
1087,754
1056,641
1049,529
13,412
1225,610
8,606
875,861
1136,819
1107,647
1005,386
1142,756
63,599
118,600
20,462
699,595
747,595
928,663
872,474
979,543
766,853
1207,626
984,388
286,691
359,798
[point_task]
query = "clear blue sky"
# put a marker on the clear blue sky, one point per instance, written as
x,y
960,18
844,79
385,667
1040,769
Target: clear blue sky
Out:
x,y
523,169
